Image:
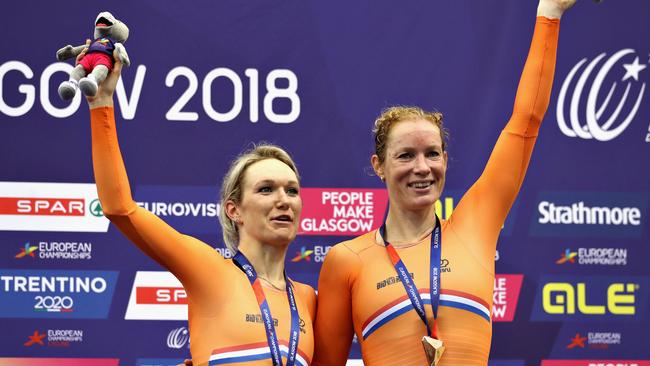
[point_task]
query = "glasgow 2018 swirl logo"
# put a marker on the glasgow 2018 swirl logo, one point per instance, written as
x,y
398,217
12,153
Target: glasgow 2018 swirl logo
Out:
x,y
594,120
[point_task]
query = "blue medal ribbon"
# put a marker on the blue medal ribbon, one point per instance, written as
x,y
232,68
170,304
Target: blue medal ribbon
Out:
x,y
276,356
407,281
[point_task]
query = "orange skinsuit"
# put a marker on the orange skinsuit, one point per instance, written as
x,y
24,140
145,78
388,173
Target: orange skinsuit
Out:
x,y
224,316
358,287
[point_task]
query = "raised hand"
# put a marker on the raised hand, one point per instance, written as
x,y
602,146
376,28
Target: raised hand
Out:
x,y
554,9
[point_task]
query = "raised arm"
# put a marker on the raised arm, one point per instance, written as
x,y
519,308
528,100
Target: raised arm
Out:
x,y
179,253
333,329
482,211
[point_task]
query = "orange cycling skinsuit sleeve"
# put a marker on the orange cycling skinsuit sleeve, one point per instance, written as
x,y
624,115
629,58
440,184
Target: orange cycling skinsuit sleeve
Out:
x,y
224,318
359,291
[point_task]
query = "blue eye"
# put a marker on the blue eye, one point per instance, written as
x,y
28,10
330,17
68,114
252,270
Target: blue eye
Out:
x,y
265,189
433,154
405,156
293,191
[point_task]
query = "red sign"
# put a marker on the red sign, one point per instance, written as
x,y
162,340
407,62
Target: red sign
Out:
x,y
506,296
341,211
161,295
42,206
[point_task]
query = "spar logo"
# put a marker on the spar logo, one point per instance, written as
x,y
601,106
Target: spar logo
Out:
x,y
178,338
26,206
591,298
590,214
595,256
506,296
189,209
56,294
156,295
604,114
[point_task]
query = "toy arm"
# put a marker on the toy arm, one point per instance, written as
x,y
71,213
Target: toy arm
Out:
x,y
121,54
69,52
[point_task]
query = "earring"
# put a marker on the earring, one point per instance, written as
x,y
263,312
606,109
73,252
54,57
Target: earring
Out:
x,y
383,179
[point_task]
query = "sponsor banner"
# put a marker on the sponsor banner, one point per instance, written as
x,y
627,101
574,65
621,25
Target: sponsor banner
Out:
x,y
156,295
315,254
594,257
178,338
56,250
595,363
9,361
159,361
26,206
341,211
590,214
581,114
506,296
591,298
56,294
55,338
189,209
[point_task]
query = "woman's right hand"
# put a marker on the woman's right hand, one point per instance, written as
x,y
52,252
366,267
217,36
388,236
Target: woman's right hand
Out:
x,y
104,96
554,9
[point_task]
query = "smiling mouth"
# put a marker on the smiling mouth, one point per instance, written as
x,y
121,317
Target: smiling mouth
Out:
x,y
282,218
421,185
103,22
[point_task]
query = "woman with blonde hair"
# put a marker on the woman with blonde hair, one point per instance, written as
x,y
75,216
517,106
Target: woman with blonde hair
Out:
x,y
440,272
240,310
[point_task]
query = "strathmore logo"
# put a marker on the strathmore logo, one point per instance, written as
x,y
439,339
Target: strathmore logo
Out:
x,y
595,109
156,295
506,296
70,207
590,214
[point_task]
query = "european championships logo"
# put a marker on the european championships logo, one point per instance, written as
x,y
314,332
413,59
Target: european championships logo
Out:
x,y
27,250
596,123
568,256
303,254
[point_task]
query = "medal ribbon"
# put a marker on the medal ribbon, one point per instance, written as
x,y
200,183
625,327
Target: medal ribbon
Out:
x,y
242,262
407,281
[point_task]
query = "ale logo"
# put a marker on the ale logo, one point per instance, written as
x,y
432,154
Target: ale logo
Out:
x,y
601,118
595,298
96,208
564,298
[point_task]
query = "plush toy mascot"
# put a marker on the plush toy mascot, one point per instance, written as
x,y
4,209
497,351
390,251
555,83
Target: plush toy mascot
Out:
x,y
110,34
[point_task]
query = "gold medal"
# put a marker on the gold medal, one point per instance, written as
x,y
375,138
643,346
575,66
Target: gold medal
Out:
x,y
433,348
